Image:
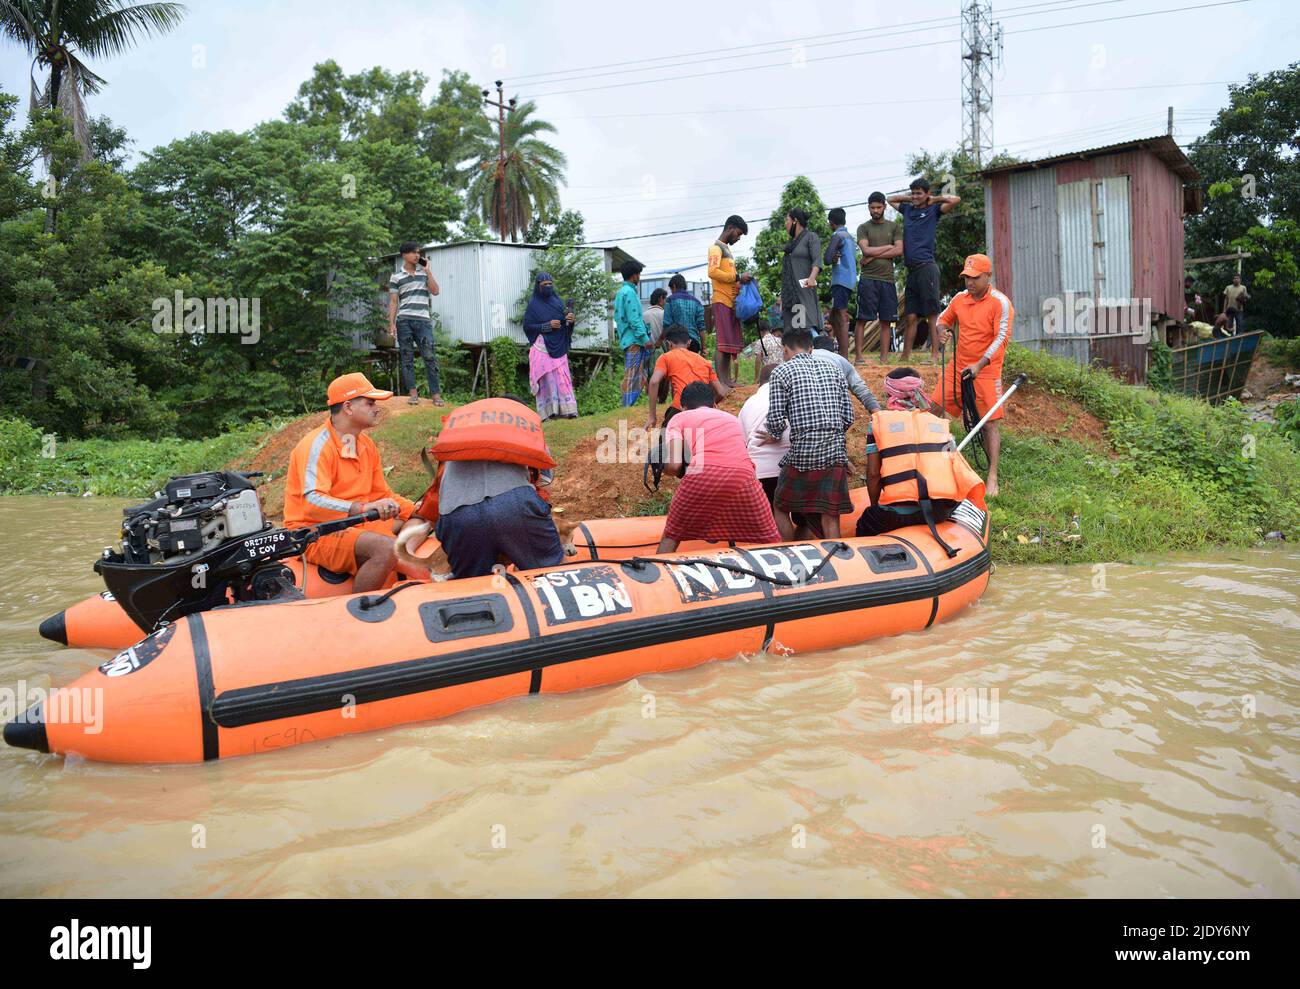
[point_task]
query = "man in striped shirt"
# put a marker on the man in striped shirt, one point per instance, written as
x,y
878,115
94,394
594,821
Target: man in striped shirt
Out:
x,y
983,317
410,292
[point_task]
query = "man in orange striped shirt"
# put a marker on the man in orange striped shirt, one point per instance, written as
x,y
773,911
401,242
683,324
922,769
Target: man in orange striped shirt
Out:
x,y
334,472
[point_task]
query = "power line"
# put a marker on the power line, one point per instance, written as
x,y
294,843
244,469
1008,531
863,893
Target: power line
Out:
x,y
784,177
782,42
900,48
880,103
753,209
1096,131
814,41
1042,139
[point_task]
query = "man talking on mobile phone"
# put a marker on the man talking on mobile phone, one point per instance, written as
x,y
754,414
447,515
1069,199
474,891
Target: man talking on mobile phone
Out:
x,y
410,293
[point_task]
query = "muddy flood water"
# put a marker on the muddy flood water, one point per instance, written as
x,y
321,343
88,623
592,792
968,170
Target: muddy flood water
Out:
x,y
1134,739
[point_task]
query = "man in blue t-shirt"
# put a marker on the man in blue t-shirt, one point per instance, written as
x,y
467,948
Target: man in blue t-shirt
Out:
x,y
921,212
842,258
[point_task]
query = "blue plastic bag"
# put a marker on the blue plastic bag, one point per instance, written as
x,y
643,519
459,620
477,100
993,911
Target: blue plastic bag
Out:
x,y
749,303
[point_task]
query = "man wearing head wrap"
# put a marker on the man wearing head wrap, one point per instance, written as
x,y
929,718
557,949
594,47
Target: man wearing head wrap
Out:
x,y
904,391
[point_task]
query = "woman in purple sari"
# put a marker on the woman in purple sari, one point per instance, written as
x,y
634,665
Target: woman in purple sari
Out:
x,y
550,332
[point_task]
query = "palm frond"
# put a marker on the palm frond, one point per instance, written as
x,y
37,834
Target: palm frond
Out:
x,y
17,24
87,81
113,31
71,103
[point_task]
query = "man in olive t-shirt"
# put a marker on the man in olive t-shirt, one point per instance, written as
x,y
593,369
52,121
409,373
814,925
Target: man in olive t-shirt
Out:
x,y
1234,304
881,241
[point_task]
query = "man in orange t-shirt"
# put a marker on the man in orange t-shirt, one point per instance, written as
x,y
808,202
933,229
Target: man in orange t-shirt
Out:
x,y
983,317
681,367
334,472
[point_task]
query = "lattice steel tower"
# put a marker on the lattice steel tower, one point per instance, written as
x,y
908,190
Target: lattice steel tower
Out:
x,y
981,42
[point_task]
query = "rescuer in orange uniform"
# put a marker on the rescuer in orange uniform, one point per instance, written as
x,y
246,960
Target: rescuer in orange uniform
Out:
x,y
334,472
983,316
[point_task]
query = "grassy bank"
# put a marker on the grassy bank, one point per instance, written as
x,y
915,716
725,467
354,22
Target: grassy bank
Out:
x,y
1180,475
1092,470
31,463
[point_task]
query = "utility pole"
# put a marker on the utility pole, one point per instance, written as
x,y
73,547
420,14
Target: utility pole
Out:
x,y
981,42
1169,127
502,106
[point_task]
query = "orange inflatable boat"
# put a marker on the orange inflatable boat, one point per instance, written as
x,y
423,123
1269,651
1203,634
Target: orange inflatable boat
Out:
x,y
99,622
256,677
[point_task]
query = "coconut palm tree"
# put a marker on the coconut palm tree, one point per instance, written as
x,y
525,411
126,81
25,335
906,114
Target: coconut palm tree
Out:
x,y
58,32
530,174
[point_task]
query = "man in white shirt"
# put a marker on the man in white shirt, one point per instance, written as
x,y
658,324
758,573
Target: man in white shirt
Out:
x,y
654,317
765,454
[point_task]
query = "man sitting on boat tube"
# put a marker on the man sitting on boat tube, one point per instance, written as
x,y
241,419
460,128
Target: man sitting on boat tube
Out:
x,y
490,510
334,472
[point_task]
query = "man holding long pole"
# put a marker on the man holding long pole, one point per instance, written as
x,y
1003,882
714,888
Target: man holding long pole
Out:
x,y
984,317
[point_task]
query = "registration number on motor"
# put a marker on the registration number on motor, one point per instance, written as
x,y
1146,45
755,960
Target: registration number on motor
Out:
x,y
260,547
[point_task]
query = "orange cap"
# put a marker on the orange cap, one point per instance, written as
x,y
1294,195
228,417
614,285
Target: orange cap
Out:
x,y
355,385
978,264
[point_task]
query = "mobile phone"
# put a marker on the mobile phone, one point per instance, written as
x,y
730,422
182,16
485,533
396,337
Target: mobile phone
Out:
x,y
423,262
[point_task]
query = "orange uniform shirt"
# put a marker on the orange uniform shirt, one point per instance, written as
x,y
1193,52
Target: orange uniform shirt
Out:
x,y
326,475
983,326
682,367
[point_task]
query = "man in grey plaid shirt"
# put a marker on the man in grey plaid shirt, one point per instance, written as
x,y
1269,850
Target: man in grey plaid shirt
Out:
x,y
812,397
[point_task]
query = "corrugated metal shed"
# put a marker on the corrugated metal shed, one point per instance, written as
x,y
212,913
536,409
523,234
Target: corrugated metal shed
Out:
x,y
1134,251
481,283
1036,263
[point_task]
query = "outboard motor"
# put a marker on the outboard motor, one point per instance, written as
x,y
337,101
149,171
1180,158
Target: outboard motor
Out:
x,y
203,542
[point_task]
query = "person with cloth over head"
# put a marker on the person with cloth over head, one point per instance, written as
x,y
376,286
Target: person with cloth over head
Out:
x,y
489,508
549,327
914,474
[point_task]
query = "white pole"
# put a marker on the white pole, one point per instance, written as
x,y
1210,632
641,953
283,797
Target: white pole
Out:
x,y
1020,380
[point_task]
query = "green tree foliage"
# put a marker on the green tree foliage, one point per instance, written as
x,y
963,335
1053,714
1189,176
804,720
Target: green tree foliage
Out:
x,y
568,227
289,217
69,299
1251,175
262,215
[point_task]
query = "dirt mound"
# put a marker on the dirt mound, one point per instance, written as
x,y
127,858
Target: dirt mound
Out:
x,y
587,488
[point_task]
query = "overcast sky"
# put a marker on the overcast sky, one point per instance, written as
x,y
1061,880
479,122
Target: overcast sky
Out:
x,y
771,91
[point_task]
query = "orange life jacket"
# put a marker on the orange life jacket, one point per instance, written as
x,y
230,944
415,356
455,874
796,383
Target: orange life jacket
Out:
x,y
490,429
918,463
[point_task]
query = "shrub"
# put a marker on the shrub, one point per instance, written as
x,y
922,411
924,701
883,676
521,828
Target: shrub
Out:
x,y
1283,353
20,444
503,367
1160,366
455,364
1288,421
